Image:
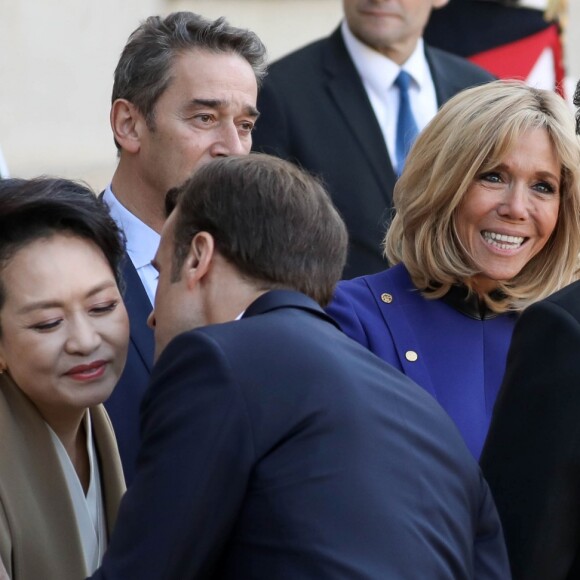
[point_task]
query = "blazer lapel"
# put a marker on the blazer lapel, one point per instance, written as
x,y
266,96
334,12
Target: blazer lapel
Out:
x,y
398,284
347,91
113,482
39,508
138,307
446,82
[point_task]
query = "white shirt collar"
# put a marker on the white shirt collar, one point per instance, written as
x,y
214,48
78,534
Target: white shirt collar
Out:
x,y
142,241
379,71
89,509
378,74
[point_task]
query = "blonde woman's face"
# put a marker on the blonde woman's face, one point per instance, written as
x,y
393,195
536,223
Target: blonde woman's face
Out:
x,y
509,212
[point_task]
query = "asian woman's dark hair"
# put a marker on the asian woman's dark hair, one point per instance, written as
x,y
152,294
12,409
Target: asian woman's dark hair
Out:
x,y
32,209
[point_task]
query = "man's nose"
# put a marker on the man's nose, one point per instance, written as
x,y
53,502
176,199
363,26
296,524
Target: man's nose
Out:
x,y
230,142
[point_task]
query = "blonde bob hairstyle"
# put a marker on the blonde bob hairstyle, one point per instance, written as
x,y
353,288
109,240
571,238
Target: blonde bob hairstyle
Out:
x,y
470,135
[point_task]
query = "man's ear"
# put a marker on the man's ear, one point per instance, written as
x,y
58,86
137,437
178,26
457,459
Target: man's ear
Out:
x,y
439,3
199,259
127,123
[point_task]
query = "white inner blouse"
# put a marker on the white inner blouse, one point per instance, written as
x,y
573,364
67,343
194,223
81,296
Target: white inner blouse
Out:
x,y
89,509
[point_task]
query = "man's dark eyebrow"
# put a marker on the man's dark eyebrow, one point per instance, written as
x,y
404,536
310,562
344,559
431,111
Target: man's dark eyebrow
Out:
x,y
252,111
219,103
211,103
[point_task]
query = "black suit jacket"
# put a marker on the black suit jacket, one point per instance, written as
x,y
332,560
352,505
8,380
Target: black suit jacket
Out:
x,y
123,404
480,25
314,110
276,447
532,454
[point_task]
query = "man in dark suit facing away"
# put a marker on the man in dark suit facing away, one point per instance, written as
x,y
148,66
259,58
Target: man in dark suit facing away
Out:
x,y
185,92
531,456
274,447
333,108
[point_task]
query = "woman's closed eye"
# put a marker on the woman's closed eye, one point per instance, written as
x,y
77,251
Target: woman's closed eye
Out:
x,y
46,326
104,308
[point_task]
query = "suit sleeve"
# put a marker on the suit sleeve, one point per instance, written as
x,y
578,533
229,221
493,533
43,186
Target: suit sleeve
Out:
x,y
490,555
192,471
532,454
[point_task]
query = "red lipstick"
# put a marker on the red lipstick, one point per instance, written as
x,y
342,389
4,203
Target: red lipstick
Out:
x,y
88,372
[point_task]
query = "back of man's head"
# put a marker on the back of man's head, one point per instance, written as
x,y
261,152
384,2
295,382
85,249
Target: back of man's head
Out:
x,y
272,221
144,68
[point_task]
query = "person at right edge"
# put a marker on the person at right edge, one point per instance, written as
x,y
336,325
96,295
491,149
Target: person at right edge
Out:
x,y
531,457
486,224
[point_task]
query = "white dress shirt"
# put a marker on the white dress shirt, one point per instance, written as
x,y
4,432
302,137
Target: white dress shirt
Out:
x,y
142,241
378,74
89,509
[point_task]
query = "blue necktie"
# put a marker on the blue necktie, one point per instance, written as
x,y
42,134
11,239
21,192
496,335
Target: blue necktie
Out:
x,y
407,130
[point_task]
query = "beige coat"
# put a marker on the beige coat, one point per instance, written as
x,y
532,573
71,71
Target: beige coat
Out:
x,y
39,539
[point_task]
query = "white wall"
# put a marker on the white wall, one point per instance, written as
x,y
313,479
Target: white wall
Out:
x,y
57,59
281,24
56,65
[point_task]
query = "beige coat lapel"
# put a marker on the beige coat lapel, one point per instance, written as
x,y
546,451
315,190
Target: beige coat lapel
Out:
x,y
112,478
38,532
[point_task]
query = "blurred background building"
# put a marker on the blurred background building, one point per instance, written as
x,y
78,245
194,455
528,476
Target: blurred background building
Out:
x,y
57,61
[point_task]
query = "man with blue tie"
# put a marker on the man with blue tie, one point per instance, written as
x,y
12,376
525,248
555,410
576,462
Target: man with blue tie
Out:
x,y
274,447
184,92
347,108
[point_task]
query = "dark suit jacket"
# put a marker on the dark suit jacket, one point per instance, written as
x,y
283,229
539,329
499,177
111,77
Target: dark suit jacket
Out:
x,y
479,25
276,447
532,454
315,111
123,405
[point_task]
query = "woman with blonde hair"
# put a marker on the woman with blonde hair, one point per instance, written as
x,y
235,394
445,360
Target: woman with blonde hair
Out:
x,y
487,222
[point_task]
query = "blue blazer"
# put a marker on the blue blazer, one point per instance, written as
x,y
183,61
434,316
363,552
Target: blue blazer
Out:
x,y
458,359
123,405
276,447
314,110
